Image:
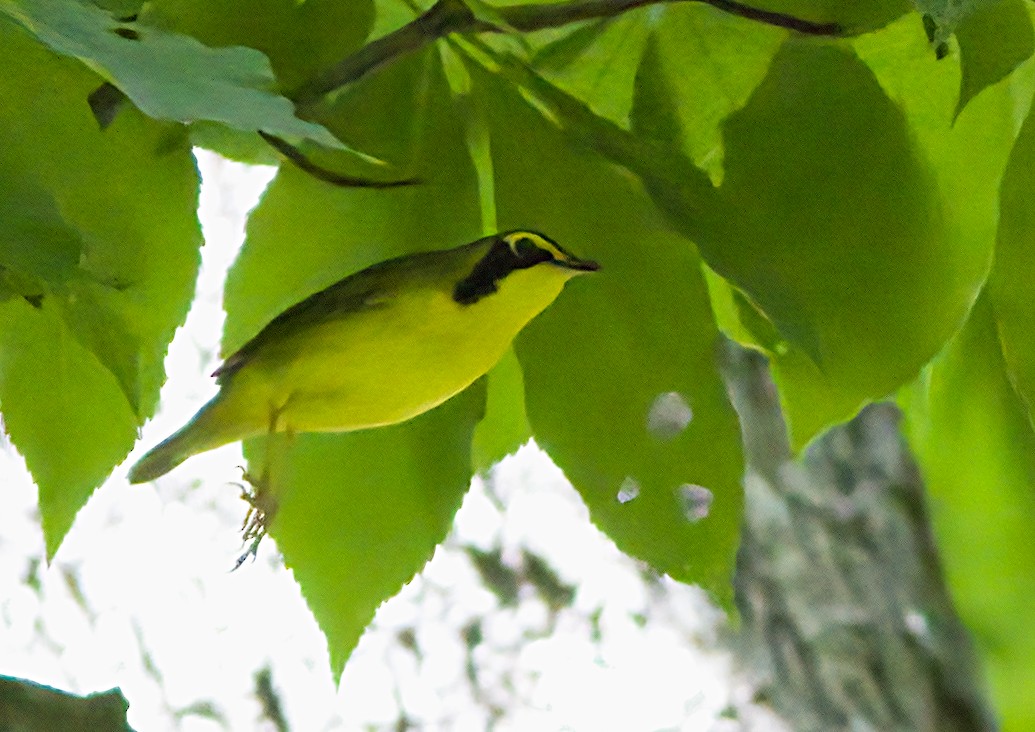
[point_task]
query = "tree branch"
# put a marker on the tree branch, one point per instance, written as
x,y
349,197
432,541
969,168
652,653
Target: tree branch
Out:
x,y
452,16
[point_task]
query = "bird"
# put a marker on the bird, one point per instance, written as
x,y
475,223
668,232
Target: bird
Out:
x,y
378,347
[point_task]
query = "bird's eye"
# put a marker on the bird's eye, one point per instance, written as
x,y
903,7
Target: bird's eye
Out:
x,y
528,251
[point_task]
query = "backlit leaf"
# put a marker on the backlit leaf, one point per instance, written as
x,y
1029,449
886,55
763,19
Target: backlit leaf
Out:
x,y
977,451
99,247
617,423
994,40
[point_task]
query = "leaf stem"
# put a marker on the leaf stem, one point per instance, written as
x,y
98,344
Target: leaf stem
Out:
x,y
453,16
344,180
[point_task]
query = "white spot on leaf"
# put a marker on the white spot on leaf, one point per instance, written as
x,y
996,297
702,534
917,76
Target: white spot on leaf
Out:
x,y
669,415
628,490
695,500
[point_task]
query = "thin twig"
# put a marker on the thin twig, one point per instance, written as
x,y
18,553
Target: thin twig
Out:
x,y
536,17
297,157
452,16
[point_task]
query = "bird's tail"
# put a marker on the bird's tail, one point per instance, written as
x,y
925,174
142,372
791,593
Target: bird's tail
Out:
x,y
203,432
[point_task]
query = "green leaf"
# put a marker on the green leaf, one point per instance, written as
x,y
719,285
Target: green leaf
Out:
x,y
236,145
977,451
994,40
699,66
299,38
618,365
829,219
831,210
35,241
837,201
167,75
598,62
99,232
62,409
486,13
739,319
1010,283
360,513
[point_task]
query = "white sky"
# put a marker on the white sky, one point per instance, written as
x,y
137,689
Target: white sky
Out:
x,y
140,595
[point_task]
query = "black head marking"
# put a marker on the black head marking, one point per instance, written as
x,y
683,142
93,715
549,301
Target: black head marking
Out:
x,y
502,258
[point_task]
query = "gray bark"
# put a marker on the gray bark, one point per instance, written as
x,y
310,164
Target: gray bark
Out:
x,y
844,610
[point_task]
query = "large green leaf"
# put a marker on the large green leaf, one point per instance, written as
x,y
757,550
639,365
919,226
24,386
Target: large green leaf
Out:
x,y
360,513
99,233
707,59
828,219
167,75
838,200
977,450
620,373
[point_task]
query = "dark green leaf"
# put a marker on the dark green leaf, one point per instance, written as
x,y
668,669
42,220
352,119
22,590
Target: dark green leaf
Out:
x,y
829,220
839,201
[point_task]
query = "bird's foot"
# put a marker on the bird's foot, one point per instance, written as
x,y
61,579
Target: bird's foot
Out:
x,y
261,509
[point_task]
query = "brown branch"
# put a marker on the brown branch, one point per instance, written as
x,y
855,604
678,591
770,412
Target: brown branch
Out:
x,y
452,16
536,17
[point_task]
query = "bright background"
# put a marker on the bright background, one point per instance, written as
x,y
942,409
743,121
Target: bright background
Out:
x,y
141,595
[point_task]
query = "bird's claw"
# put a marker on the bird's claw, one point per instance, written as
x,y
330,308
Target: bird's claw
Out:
x,y
261,508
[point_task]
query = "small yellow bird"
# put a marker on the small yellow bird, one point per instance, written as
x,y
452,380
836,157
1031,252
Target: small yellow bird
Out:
x,y
378,347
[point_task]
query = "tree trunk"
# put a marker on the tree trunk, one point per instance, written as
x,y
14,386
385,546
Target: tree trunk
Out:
x,y
844,610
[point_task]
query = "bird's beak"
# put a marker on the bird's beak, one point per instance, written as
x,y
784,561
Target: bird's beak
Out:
x,y
582,265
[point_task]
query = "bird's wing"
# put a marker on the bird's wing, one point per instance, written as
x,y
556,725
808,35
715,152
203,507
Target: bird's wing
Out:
x,y
348,296
375,287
